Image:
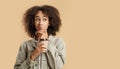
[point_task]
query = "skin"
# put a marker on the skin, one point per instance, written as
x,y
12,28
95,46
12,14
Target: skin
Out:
x,y
41,25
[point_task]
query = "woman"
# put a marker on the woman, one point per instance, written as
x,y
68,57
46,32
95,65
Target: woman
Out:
x,y
44,50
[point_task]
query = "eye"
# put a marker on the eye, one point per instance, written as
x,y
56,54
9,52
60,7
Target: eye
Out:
x,y
37,19
45,19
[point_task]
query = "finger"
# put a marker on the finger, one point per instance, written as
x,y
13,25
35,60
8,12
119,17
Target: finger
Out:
x,y
43,46
40,44
43,50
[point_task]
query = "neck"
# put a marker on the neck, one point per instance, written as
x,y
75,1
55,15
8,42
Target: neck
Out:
x,y
41,36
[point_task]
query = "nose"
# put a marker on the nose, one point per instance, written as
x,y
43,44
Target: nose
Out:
x,y
40,22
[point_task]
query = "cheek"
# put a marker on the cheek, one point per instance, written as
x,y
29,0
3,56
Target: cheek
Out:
x,y
46,26
35,25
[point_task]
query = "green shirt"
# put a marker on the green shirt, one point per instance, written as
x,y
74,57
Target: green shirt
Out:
x,y
54,58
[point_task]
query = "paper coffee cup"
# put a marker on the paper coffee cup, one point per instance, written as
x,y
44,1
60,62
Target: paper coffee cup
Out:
x,y
45,43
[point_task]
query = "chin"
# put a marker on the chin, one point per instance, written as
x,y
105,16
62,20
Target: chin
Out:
x,y
40,31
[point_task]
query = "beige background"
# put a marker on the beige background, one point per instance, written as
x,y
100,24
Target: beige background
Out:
x,y
91,30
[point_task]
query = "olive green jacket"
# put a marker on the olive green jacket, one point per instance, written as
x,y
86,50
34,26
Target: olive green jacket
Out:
x,y
54,58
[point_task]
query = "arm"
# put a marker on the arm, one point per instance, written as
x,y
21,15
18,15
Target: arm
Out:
x,y
22,61
57,53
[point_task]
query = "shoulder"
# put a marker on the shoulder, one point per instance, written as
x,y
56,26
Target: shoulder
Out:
x,y
25,43
58,41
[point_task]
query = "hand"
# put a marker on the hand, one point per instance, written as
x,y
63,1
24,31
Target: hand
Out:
x,y
41,48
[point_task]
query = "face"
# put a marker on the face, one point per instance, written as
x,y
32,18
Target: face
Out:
x,y
41,22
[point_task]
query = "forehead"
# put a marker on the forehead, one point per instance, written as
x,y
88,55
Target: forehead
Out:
x,y
41,14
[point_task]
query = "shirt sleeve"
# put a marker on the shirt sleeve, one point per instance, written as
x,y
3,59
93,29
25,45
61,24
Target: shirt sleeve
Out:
x,y
22,61
57,53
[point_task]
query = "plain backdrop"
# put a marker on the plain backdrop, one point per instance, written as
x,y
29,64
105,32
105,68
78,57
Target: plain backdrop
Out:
x,y
90,29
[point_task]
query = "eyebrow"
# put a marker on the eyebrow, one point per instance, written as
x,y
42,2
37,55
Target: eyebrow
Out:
x,y
36,16
43,16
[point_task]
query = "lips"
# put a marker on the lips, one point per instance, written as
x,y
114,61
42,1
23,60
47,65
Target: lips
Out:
x,y
40,27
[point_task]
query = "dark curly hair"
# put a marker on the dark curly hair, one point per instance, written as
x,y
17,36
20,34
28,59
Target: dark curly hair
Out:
x,y
50,11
